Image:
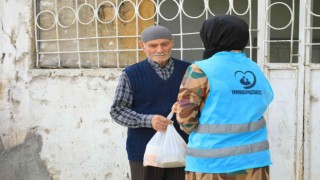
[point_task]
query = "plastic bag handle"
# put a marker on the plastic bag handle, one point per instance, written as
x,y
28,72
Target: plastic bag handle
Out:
x,y
170,115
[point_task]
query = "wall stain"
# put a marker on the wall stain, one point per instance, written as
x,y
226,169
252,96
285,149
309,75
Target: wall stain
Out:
x,y
47,131
12,36
106,131
79,123
107,176
2,57
314,98
21,58
23,161
1,145
2,88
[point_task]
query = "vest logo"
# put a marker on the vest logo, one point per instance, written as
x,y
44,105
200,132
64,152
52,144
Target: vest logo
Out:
x,y
247,80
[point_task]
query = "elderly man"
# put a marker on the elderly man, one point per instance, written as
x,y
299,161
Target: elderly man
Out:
x,y
144,97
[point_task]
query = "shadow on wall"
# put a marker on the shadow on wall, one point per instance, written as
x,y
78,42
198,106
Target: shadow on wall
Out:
x,y
23,161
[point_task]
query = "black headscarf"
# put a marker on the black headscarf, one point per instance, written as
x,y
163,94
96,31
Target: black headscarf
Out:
x,y
223,33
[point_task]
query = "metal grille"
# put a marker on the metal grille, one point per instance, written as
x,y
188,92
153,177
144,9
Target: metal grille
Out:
x,y
312,29
74,34
96,33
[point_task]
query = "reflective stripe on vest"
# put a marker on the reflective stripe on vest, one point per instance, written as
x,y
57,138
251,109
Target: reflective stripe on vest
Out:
x,y
231,151
230,128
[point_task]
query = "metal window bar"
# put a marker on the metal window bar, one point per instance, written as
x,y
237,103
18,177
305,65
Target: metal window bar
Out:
x,y
290,25
310,35
94,5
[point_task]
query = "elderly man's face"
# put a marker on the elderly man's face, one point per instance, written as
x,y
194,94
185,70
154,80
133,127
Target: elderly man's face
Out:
x,y
158,50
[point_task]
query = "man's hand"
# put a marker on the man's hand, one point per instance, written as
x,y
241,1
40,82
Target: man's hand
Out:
x,y
160,123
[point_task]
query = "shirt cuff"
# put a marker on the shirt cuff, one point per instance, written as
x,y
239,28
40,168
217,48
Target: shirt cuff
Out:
x,y
147,119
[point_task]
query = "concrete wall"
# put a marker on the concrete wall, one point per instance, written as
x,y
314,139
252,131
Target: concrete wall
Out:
x,y
54,124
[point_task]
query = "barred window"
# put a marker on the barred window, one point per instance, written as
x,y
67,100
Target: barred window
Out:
x,y
100,33
105,33
90,33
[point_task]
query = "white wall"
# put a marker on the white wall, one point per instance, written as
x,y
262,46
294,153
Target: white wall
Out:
x,y
70,109
54,124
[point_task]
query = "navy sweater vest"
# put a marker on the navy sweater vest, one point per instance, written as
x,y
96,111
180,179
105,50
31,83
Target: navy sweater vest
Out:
x,y
151,95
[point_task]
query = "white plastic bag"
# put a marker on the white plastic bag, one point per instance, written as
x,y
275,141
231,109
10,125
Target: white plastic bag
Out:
x,y
165,149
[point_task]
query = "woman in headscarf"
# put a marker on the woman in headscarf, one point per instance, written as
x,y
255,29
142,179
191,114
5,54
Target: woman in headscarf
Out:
x,y
221,104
